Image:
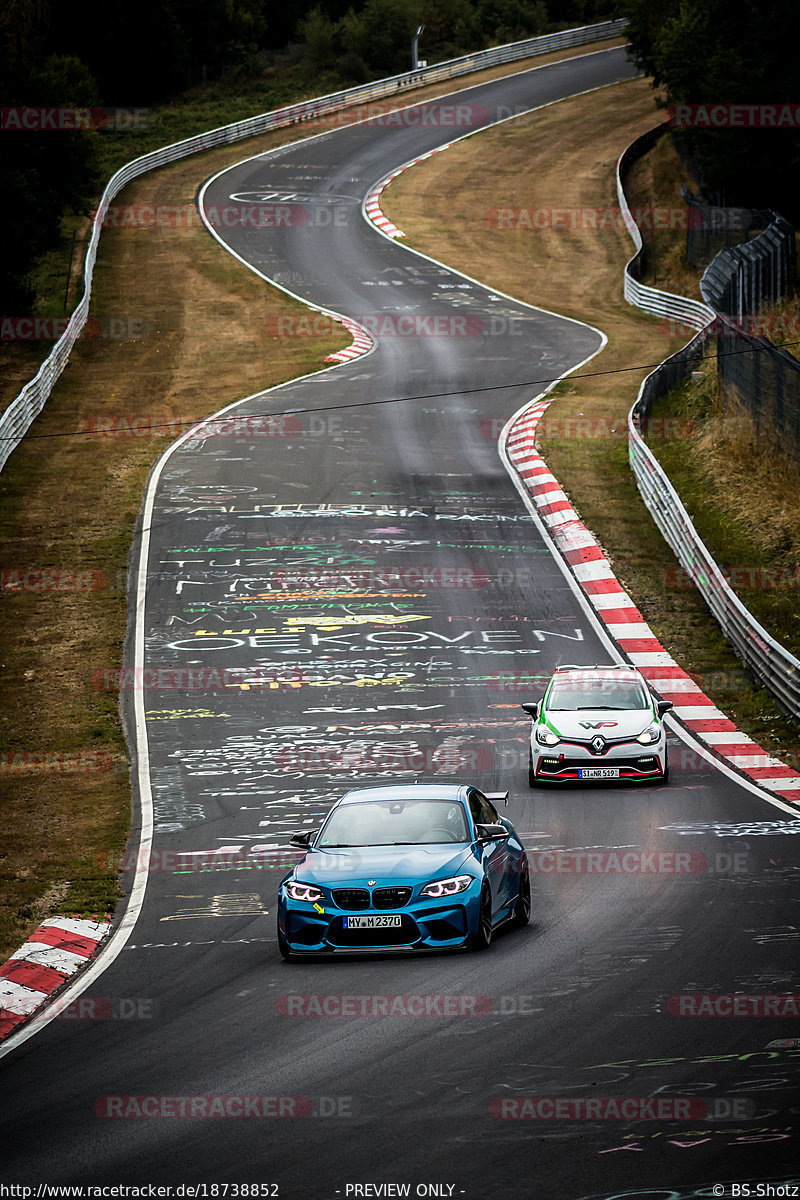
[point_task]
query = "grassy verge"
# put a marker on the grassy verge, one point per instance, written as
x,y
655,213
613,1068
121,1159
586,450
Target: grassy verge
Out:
x,y
573,264
68,503
742,490
753,532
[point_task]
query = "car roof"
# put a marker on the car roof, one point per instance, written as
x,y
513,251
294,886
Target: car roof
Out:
x,y
621,670
407,791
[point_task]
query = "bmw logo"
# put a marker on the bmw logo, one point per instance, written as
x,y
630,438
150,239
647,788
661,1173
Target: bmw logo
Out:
x,y
371,882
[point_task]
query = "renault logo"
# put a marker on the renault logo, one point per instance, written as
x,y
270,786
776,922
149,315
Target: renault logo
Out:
x,y
598,744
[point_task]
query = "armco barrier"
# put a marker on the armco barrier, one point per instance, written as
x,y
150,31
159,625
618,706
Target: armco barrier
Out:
x,y
772,663
652,300
23,410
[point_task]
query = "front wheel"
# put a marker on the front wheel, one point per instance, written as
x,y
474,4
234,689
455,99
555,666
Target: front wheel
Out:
x,y
531,774
482,940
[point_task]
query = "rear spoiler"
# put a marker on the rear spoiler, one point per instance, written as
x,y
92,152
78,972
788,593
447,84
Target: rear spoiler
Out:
x,y
496,797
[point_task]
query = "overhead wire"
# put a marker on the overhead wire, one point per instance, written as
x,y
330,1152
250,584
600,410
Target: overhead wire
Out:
x,y
189,422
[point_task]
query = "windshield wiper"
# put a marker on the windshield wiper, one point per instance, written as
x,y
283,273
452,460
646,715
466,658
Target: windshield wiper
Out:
x,y
592,707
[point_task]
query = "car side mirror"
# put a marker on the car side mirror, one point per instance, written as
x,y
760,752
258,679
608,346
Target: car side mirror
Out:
x,y
532,709
663,706
302,838
490,833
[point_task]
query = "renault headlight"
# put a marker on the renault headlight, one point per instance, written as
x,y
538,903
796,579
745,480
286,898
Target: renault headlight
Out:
x,y
650,735
545,736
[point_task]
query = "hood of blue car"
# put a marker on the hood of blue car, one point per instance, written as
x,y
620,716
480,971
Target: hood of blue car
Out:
x,y
386,865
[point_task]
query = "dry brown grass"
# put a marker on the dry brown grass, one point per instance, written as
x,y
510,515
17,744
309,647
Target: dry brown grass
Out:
x,y
728,450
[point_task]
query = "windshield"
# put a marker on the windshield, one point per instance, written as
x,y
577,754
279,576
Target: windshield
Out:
x,y
571,695
395,823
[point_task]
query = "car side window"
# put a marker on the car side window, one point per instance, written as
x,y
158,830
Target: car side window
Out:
x,y
491,817
481,809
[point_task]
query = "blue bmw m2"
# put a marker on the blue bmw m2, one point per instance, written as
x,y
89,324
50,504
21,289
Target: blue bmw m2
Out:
x,y
405,868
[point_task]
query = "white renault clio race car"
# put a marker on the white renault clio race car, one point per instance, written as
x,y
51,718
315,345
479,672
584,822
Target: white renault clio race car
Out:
x,y
597,723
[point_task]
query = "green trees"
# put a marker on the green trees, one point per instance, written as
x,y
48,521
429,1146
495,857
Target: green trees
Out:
x,y
377,33
729,52
44,171
54,55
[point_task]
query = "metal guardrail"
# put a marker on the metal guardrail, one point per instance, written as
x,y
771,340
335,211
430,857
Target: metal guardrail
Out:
x,y
23,410
641,295
774,665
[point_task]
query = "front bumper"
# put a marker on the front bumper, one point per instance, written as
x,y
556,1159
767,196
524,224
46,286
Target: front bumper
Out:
x,y
426,925
567,763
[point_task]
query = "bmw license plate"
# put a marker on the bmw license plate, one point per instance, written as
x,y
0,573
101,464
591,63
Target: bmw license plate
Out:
x,y
384,921
599,773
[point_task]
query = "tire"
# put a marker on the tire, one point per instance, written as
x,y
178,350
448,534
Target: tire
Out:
x,y
531,775
482,939
284,948
522,909
665,776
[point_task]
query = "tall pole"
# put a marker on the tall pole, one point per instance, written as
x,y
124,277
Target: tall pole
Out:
x,y
415,49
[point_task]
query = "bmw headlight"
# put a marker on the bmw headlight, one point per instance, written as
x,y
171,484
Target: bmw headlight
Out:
x,y
650,735
303,891
545,736
446,887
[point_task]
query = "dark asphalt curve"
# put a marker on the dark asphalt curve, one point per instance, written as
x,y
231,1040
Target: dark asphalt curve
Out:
x,y
355,592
